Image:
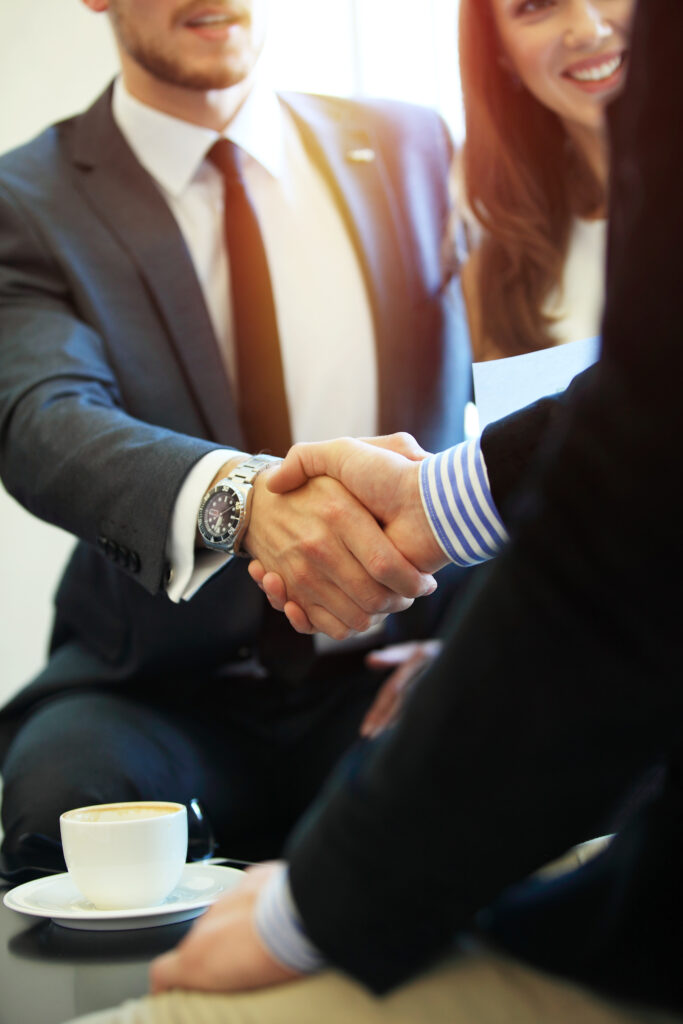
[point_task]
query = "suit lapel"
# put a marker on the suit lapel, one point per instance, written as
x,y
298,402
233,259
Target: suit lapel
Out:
x,y
348,156
126,198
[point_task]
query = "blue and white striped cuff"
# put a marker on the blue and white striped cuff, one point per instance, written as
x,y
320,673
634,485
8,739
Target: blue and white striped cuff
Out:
x,y
456,496
281,929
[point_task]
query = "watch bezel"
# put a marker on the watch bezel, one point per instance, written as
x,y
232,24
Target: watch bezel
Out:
x,y
240,481
224,541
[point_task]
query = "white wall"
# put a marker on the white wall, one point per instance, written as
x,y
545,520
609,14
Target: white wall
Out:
x,y
56,56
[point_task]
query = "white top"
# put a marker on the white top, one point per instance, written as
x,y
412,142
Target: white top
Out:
x,y
323,310
580,299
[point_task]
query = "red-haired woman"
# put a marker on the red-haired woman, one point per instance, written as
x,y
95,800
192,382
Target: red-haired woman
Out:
x,y
537,76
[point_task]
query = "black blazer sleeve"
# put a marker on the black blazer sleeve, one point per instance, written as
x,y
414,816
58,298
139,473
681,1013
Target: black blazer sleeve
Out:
x,y
561,682
511,445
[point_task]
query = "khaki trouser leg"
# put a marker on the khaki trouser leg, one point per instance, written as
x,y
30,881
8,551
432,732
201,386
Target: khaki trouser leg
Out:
x,y
474,988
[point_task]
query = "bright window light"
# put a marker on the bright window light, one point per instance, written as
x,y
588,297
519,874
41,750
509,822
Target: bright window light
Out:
x,y
392,48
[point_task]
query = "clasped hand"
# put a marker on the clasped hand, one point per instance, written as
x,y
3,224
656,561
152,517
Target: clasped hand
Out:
x,y
338,535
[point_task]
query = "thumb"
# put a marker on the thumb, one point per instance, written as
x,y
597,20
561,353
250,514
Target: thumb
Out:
x,y
164,973
290,474
303,461
401,443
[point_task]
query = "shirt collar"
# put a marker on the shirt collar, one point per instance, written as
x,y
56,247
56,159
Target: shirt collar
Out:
x,y
172,150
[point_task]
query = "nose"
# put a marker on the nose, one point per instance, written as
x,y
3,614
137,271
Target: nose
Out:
x,y
586,24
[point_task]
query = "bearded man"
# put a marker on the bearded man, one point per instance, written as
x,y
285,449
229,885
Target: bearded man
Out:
x,y
194,272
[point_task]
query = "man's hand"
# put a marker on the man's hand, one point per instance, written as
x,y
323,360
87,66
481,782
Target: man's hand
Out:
x,y
383,479
222,952
333,558
408,660
383,473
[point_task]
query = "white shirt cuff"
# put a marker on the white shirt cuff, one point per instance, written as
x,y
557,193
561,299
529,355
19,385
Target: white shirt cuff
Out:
x,y
191,568
281,929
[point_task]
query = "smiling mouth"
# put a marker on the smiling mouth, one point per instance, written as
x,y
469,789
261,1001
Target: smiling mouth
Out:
x,y
214,20
598,72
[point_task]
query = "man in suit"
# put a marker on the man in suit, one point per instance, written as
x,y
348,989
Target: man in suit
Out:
x,y
126,394
554,714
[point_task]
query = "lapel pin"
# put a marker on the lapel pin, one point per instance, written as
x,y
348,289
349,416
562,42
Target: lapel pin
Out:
x,y
361,156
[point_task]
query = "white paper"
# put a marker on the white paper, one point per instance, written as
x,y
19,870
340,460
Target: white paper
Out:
x,y
502,386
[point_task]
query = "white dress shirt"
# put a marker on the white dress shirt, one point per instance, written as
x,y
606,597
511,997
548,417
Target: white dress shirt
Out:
x,y
323,309
578,302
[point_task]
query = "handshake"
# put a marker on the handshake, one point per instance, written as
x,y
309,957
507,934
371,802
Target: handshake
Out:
x,y
338,534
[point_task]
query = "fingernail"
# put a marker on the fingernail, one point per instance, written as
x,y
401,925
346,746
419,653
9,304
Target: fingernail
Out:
x,y
430,587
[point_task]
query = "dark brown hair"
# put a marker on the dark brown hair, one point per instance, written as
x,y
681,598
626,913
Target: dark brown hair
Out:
x,y
524,183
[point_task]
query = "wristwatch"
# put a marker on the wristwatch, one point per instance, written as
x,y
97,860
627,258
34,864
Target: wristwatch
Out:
x,y
225,509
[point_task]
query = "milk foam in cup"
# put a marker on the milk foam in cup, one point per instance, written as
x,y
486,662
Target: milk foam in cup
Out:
x,y
126,855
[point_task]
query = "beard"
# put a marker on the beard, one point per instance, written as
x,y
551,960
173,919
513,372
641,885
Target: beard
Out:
x,y
166,65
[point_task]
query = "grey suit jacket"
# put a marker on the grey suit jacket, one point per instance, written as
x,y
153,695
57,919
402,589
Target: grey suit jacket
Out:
x,y
111,386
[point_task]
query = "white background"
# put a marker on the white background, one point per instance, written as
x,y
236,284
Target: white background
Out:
x,y
56,56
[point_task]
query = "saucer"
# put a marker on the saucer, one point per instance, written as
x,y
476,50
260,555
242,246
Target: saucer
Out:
x,y
58,898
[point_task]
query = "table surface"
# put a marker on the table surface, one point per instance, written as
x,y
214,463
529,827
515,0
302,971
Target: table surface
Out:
x,y
49,974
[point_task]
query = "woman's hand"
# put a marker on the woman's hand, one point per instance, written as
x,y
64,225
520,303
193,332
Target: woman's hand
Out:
x,y
409,660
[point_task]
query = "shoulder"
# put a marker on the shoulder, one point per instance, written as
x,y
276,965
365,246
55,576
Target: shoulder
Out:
x,y
377,108
388,120
31,156
29,171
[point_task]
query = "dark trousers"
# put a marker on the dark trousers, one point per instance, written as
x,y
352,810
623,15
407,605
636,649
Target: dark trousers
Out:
x,y
253,751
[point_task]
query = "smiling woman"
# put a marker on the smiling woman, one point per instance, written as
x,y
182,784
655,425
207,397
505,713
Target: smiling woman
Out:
x,y
569,55
537,78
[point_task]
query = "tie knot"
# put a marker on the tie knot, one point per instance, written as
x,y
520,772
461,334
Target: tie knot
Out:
x,y
227,157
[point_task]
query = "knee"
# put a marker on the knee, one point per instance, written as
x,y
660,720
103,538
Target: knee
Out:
x,y
33,799
55,762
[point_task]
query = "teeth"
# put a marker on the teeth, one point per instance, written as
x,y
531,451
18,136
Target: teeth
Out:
x,y
210,19
597,74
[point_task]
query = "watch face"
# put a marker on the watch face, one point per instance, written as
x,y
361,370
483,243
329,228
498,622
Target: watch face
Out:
x,y
222,515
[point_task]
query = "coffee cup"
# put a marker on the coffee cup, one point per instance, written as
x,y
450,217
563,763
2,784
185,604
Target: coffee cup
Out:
x,y
125,855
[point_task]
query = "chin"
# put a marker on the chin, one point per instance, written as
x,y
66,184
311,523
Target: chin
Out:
x,y
205,79
597,120
202,76
591,119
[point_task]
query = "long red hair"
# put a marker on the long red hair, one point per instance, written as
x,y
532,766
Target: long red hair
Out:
x,y
524,184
